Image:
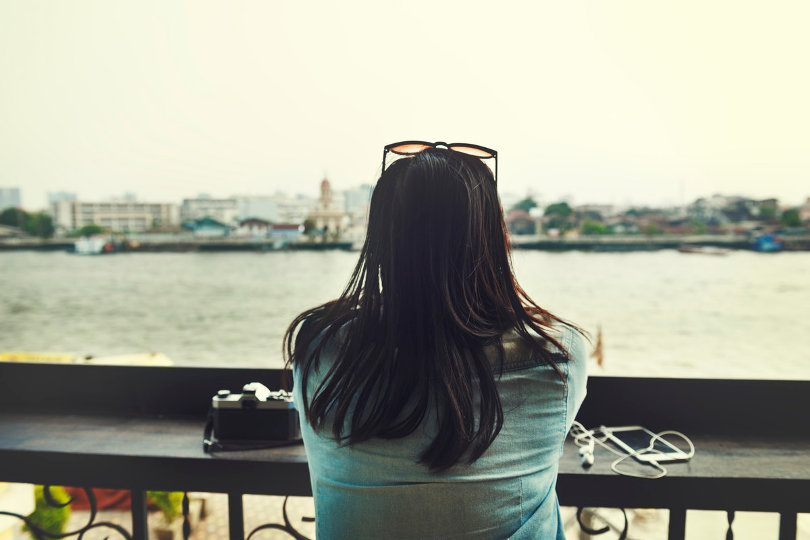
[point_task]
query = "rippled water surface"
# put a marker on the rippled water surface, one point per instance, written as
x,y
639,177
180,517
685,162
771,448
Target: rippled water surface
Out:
x,y
662,314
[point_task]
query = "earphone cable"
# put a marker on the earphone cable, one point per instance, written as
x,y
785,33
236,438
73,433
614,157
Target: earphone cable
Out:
x,y
585,438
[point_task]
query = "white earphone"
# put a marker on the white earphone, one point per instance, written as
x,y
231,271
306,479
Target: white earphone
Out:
x,y
586,453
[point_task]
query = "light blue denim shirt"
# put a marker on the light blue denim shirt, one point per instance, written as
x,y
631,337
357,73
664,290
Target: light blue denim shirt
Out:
x,y
378,490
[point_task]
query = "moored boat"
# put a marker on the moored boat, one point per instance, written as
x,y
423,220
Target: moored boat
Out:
x,y
92,245
703,250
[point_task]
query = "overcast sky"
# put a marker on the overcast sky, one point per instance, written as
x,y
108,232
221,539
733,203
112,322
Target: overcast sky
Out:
x,y
615,102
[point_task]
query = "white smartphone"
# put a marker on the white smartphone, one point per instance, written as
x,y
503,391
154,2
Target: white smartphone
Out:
x,y
634,439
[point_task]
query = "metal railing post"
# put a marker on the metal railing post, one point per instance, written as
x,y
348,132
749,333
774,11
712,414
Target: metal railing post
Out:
x,y
787,526
140,530
677,524
236,520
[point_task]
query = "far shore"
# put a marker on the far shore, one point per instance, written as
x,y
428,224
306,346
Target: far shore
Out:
x,y
594,243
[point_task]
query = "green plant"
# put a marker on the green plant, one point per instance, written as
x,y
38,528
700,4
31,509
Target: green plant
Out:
x,y
309,228
526,204
168,502
561,209
90,230
594,227
46,516
791,218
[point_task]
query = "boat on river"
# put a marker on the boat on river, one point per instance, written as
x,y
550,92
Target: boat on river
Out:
x,y
768,243
92,245
703,250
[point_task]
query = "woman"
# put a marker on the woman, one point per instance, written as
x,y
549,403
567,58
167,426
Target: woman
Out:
x,y
434,394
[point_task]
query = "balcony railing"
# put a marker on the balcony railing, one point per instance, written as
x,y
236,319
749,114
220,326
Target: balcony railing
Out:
x,y
140,428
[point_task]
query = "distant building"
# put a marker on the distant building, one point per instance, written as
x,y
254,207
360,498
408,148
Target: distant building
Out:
x,y
115,216
520,222
709,210
357,200
595,212
804,211
222,210
258,206
9,198
327,216
207,227
257,228
57,196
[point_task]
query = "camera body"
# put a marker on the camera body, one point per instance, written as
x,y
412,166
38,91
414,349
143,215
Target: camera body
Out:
x,y
255,415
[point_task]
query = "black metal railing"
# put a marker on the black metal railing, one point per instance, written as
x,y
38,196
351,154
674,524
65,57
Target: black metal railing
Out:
x,y
140,429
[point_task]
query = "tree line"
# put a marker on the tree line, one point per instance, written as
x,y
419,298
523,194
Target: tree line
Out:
x,y
34,223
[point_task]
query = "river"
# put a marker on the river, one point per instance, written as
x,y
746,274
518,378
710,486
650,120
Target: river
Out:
x,y
668,314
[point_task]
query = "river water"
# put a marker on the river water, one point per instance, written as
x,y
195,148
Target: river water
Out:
x,y
663,313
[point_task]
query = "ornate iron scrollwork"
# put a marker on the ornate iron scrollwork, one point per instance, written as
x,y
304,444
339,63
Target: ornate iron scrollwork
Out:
x,y
186,523
730,519
42,534
287,527
606,528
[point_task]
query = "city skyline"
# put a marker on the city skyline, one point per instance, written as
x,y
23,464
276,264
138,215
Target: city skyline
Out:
x,y
507,198
605,103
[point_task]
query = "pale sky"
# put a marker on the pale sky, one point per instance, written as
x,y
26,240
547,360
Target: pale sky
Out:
x,y
604,102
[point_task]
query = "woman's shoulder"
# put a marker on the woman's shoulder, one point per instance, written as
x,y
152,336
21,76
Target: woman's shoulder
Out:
x,y
520,353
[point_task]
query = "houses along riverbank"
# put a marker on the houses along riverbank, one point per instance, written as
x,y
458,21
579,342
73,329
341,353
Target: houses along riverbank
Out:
x,y
595,243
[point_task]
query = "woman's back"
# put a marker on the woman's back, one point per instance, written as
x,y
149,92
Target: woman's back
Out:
x,y
377,489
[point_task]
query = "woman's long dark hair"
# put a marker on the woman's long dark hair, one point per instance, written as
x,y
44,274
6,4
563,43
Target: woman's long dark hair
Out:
x,y
433,286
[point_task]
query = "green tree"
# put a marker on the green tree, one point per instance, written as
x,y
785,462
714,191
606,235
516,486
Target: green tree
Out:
x,y
594,227
559,216
90,230
526,204
561,209
652,229
13,217
791,218
697,226
767,213
39,224
309,227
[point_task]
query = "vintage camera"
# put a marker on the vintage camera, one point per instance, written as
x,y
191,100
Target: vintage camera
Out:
x,y
256,415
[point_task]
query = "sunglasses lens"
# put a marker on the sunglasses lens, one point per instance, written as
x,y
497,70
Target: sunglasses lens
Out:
x,y
408,149
469,150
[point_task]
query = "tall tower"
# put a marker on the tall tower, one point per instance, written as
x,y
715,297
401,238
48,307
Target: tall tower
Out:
x,y
326,216
326,195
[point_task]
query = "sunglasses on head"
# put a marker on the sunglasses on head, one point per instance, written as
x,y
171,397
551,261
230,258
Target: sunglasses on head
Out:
x,y
410,148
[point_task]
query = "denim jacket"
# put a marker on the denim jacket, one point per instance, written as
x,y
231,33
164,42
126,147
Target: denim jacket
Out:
x,y
377,490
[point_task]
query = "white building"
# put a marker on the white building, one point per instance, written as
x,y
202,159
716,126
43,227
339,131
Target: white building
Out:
x,y
9,198
223,210
328,216
357,200
258,207
294,209
603,210
253,228
56,196
115,216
